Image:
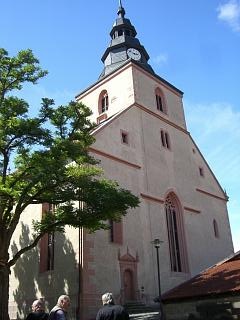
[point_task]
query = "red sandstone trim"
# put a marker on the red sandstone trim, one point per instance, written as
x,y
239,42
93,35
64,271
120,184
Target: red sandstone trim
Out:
x,y
101,82
159,200
101,118
114,158
115,74
151,198
156,115
211,194
168,87
112,119
88,300
191,210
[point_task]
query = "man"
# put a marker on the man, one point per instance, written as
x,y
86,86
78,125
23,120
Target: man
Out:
x,y
38,312
111,311
59,312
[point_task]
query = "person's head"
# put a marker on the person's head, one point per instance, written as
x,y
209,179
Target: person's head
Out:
x,y
63,302
37,305
107,298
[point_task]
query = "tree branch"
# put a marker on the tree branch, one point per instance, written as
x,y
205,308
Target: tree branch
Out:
x,y
33,244
27,248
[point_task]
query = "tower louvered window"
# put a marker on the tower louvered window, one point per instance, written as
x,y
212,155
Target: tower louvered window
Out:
x,y
165,139
160,101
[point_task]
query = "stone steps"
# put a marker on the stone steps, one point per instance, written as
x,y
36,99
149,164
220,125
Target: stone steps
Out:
x,y
140,311
145,316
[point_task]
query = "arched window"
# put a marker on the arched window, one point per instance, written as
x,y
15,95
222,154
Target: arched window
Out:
x,y
176,238
215,229
160,101
103,102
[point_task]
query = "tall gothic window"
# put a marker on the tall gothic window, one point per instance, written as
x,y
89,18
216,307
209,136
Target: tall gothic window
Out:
x,y
103,102
177,248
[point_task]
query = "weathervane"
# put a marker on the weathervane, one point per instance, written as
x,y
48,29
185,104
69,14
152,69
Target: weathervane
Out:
x,y
121,11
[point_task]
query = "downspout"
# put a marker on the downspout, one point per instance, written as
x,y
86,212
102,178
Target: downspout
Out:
x,y
80,258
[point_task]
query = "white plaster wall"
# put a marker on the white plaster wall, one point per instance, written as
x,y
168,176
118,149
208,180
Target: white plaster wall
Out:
x,y
120,93
27,283
161,170
144,87
20,239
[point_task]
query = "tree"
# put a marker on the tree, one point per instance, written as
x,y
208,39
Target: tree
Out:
x,y
45,159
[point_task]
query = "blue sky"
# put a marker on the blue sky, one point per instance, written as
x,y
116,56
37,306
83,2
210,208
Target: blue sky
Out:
x,y
192,44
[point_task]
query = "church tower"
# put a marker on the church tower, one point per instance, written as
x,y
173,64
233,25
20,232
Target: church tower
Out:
x,y
143,143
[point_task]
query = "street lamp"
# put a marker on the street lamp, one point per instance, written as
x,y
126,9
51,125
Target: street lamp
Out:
x,y
157,243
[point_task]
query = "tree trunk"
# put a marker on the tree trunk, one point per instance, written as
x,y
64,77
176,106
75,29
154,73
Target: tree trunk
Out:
x,y
4,291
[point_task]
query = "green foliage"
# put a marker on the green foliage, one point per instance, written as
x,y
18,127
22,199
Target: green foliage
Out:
x,y
45,159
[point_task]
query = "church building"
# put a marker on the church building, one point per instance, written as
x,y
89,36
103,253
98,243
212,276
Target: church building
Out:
x,y
142,141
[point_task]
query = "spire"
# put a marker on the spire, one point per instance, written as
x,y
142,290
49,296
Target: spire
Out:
x,y
121,11
124,45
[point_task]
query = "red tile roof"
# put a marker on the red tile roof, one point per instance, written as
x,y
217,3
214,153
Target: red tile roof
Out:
x,y
220,279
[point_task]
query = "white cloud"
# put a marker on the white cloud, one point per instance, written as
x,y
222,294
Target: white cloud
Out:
x,y
230,13
216,130
161,59
208,120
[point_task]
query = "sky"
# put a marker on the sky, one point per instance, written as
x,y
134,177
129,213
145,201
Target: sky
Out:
x,y
195,45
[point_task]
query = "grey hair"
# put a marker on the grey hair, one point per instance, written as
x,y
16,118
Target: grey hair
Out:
x,y
62,298
39,303
107,298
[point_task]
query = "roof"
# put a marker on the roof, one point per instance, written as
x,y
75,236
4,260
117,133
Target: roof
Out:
x,y
221,279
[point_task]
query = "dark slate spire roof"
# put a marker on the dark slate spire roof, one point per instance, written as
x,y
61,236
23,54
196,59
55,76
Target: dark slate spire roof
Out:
x,y
123,37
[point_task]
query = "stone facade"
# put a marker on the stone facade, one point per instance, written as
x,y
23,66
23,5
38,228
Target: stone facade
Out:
x,y
151,153
150,171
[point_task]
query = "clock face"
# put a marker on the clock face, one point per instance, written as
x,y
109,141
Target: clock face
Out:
x,y
134,54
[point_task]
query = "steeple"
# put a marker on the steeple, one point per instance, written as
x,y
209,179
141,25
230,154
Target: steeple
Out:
x,y
123,46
